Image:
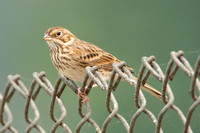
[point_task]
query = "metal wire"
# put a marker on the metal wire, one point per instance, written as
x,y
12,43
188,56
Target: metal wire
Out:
x,y
93,77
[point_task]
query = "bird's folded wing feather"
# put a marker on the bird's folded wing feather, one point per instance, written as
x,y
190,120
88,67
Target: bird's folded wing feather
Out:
x,y
91,55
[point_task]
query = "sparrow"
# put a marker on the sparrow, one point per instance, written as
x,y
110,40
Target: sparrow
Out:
x,y
71,56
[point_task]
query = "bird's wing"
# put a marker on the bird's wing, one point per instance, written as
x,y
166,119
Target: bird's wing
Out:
x,y
91,55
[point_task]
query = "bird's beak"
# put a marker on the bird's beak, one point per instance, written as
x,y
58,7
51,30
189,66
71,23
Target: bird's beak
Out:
x,y
47,38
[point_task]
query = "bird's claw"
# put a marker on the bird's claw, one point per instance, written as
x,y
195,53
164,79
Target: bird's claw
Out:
x,y
82,95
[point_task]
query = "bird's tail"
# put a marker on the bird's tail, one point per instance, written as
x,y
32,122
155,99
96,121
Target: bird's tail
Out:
x,y
151,90
147,87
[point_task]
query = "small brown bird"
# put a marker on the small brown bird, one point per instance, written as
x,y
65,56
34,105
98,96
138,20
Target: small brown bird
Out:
x,y
71,56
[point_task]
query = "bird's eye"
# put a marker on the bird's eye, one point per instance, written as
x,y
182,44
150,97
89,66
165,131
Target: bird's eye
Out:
x,y
59,33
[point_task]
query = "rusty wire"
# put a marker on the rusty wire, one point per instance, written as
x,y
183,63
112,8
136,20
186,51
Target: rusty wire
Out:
x,y
93,77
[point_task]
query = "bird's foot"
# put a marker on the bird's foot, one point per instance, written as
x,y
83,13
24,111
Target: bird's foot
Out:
x,y
82,95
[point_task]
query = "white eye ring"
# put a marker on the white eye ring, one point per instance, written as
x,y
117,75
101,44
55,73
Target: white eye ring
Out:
x,y
59,33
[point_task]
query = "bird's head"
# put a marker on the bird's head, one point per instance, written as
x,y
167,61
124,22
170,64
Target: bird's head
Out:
x,y
58,36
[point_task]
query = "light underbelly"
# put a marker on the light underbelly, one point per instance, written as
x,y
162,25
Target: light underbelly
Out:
x,y
73,74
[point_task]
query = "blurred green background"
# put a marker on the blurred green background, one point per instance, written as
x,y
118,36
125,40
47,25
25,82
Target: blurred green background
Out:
x,y
129,29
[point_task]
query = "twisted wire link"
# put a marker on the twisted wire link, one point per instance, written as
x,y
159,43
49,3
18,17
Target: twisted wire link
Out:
x,y
195,83
94,78
86,117
6,125
177,59
150,64
18,86
147,63
44,83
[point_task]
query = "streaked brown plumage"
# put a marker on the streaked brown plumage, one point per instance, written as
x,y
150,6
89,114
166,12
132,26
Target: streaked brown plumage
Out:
x,y
71,55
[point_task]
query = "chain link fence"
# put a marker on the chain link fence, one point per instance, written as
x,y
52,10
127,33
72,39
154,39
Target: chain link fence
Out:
x,y
149,67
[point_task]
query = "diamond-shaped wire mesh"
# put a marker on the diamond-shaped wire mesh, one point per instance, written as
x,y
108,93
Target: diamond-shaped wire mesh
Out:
x,y
148,67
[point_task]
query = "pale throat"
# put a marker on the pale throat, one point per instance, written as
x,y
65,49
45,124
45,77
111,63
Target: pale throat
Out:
x,y
52,45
